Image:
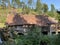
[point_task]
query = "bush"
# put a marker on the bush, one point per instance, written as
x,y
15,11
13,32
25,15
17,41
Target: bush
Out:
x,y
57,40
34,37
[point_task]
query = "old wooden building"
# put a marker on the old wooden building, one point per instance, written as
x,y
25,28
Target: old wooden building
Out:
x,y
21,23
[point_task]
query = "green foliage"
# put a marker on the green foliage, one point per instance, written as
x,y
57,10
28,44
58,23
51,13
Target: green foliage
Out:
x,y
17,2
57,40
58,17
30,2
38,7
50,14
32,38
45,8
45,38
52,8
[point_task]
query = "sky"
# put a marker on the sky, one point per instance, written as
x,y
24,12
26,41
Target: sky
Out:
x,y
49,2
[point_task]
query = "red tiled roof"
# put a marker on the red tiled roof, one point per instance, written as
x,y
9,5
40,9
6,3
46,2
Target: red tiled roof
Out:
x,y
28,19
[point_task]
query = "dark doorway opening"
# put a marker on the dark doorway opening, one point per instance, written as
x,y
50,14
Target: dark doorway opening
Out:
x,y
53,32
20,34
45,32
58,32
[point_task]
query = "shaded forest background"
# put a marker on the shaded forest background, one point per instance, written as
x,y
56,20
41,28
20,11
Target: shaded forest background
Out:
x,y
26,7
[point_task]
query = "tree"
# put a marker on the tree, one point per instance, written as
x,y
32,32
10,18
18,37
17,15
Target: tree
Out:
x,y
52,8
29,2
38,6
45,8
3,3
29,5
9,6
53,11
24,7
18,3
58,16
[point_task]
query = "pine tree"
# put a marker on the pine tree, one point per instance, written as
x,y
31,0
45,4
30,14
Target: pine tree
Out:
x,y
3,3
52,8
45,8
18,3
39,6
